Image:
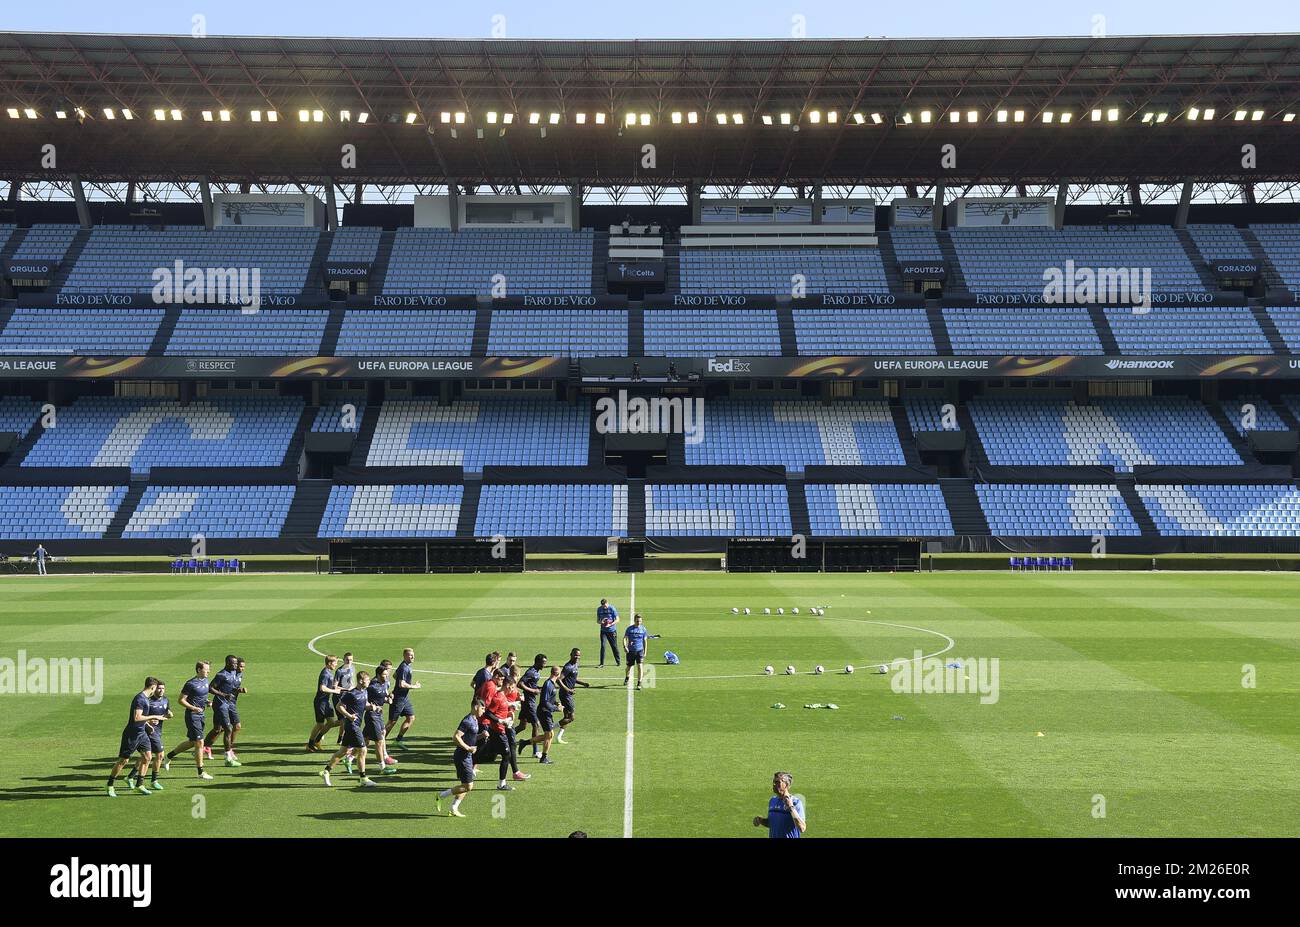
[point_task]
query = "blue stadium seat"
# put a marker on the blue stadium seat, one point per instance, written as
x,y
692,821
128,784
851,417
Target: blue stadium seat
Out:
x,y
1055,510
424,332
772,270
50,330
211,511
1022,330
408,511
1240,510
559,332
232,333
697,332
797,434
901,330
557,510
57,513
877,509
717,509
427,260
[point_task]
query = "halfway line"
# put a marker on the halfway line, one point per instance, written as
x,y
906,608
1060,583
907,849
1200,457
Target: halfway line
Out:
x,y
627,769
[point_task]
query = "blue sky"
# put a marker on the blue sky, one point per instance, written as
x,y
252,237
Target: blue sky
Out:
x,y
651,18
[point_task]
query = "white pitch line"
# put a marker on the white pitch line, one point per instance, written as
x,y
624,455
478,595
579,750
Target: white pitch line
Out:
x,y
627,768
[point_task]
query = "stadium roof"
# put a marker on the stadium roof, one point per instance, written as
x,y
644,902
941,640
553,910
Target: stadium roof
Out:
x,y
1000,89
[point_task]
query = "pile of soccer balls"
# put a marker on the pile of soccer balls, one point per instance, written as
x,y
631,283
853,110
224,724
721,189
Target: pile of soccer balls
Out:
x,y
819,669
818,610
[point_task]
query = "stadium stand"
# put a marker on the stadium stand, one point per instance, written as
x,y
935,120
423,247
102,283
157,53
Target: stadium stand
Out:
x,y
7,230
212,511
1265,416
1043,510
46,513
122,259
233,333
1022,330
1287,320
696,332
355,244
80,331
565,510
1187,330
477,433
1013,260
902,330
18,414
330,416
797,434
1220,243
406,331
916,245
426,260
1121,433
925,413
102,431
409,511
770,270
46,243
559,332
871,509
717,509
1223,511
1281,243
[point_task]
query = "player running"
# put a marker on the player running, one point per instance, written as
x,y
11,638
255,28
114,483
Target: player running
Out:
x,y
529,688
377,696
227,686
194,699
345,679
607,619
159,707
403,685
135,736
569,683
548,703
490,663
497,719
353,704
327,692
634,646
467,736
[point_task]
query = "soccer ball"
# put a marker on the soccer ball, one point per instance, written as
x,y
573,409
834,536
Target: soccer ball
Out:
x,y
767,611
819,669
735,611
849,669
746,611
819,611
882,669
795,610
768,671
789,670
780,611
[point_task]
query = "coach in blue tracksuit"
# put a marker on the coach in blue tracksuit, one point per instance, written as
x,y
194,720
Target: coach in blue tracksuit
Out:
x,y
607,618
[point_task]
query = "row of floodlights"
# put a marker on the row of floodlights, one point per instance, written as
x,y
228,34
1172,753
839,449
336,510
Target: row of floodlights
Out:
x,y
690,117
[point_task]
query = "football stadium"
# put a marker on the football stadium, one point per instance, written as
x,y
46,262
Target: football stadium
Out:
x,y
914,422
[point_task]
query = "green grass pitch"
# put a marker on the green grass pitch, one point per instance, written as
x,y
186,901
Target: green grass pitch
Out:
x,y
1135,681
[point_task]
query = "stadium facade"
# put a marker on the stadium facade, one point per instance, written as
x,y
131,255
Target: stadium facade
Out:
x,y
977,362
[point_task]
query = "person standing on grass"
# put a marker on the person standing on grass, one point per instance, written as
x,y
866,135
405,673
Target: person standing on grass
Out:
x,y
326,689
530,686
634,641
40,554
569,683
194,699
403,685
467,736
785,814
607,619
135,736
353,704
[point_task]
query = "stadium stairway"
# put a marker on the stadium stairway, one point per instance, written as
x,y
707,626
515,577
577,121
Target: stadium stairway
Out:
x,y
482,331
293,454
70,259
889,258
1128,492
599,255
939,330
635,331
964,506
11,246
167,328
636,508
308,508
333,328
956,282
672,268
785,329
316,271
800,521
1269,328
1198,260
1239,443
905,437
365,434
6,312
1271,276
676,450
974,447
383,255
122,517
473,491
1107,337
1286,415
595,442
25,444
